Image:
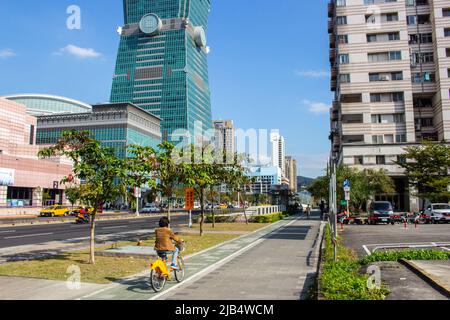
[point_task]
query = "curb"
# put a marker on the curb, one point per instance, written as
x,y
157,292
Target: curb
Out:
x,y
319,296
427,277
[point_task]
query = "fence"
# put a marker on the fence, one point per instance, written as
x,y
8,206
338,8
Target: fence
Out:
x,y
265,210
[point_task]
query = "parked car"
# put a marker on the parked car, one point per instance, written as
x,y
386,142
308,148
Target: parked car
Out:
x,y
150,208
438,212
381,212
55,211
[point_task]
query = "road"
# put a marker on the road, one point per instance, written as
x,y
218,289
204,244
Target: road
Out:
x,y
27,235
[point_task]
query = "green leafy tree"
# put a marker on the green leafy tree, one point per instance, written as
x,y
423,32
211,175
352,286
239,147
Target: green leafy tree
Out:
x,y
168,172
140,168
427,168
98,169
319,189
73,194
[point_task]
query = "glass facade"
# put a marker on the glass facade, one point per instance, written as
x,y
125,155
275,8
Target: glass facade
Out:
x,y
165,73
38,105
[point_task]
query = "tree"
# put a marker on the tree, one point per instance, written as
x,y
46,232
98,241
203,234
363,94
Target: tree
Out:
x,y
139,168
98,169
73,194
427,168
319,189
168,172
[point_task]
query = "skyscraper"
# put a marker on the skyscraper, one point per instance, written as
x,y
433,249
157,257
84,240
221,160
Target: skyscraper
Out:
x,y
162,62
278,152
390,72
225,136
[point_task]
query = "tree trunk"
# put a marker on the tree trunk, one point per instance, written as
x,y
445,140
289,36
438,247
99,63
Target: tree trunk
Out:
x,y
202,209
245,212
92,240
212,210
168,209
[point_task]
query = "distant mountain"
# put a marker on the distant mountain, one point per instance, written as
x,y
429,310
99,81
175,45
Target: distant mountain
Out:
x,y
304,181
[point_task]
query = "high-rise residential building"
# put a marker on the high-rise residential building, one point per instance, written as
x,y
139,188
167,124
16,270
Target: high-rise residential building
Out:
x,y
278,151
266,178
225,136
390,71
162,62
291,173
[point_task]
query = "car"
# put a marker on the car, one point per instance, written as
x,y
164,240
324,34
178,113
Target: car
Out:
x,y
150,208
438,212
55,211
381,212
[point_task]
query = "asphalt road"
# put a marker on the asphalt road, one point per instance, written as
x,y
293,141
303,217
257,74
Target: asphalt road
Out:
x,y
26,235
364,238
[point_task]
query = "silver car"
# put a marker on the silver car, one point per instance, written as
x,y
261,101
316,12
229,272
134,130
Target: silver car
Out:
x,y
438,212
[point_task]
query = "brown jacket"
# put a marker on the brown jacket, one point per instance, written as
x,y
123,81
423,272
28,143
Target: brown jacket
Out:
x,y
164,237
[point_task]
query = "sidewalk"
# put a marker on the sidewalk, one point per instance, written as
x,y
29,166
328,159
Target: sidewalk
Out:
x,y
302,266
14,288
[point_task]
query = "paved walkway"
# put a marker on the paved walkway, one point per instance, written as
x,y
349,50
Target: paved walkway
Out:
x,y
278,262
14,288
439,270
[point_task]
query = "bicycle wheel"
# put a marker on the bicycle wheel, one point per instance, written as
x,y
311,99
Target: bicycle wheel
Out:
x,y
179,274
157,280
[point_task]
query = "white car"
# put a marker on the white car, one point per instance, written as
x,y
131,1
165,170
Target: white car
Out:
x,y
150,208
438,212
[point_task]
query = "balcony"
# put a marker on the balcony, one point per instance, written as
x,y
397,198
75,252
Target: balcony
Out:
x,y
330,26
331,9
332,56
333,84
332,41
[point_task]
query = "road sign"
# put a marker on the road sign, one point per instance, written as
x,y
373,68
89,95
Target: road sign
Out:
x,y
343,203
347,196
137,192
347,183
189,198
55,185
347,189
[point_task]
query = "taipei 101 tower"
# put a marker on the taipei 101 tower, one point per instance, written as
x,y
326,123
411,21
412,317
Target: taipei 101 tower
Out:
x,y
162,62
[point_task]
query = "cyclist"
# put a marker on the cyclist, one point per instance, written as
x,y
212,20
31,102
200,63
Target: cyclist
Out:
x,y
164,241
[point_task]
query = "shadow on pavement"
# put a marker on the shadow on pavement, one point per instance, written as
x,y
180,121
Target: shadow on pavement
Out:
x,y
289,233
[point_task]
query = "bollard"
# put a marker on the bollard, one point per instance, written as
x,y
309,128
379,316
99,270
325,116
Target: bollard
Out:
x,y
342,226
406,224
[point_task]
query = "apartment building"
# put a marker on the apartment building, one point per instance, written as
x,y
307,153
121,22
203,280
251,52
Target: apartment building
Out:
x,y
225,136
390,71
278,152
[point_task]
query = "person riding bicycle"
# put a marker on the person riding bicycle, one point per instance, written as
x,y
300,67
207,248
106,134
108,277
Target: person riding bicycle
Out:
x,y
164,241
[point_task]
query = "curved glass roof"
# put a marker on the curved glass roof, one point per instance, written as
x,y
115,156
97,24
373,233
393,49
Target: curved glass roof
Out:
x,y
43,104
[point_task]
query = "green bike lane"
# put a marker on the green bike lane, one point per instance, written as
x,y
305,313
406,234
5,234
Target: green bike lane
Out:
x,y
197,266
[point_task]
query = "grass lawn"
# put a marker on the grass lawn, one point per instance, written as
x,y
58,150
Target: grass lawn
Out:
x,y
232,227
106,269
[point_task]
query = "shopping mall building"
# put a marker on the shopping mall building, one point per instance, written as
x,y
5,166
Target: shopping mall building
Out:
x,y
25,180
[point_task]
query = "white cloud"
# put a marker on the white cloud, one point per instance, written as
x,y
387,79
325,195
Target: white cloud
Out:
x,y
7,53
78,52
317,107
313,73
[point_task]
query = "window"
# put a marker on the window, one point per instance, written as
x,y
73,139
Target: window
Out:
x,y
352,118
344,77
425,77
419,19
401,159
400,138
377,139
341,3
448,73
343,38
344,59
394,76
422,38
351,98
446,12
381,160
387,97
447,32
341,20
352,139
447,52
384,56
388,118
31,134
380,37
359,160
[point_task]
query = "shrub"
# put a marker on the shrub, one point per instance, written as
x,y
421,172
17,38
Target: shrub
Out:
x,y
267,218
341,280
406,254
218,219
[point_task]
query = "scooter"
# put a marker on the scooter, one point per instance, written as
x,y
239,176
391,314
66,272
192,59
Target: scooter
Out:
x,y
83,218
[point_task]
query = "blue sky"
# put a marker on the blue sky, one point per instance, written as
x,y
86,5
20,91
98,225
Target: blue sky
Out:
x,y
268,64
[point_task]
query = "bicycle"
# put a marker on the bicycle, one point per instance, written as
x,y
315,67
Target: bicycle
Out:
x,y
161,271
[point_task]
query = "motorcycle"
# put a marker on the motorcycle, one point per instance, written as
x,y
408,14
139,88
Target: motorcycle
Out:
x,y
83,218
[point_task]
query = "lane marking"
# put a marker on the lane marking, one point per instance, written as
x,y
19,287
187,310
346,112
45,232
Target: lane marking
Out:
x,y
447,249
118,227
29,235
219,263
367,250
12,231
